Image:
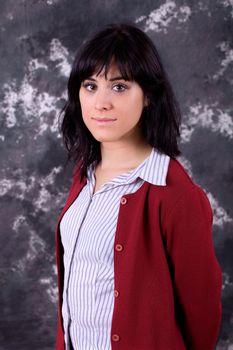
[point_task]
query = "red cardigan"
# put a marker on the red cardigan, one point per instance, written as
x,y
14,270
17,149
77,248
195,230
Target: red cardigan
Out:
x,y
167,278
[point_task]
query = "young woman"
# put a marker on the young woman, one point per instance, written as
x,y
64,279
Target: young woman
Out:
x,y
136,262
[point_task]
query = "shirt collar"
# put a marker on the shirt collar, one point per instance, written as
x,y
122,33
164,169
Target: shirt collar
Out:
x,y
153,170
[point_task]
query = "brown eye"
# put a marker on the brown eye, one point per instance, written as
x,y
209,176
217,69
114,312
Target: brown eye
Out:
x,y
89,86
119,87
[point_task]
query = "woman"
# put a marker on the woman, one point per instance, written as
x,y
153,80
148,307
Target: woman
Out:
x,y
136,263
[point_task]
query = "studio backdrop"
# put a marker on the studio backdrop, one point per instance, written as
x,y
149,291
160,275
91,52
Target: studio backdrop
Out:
x,y
38,41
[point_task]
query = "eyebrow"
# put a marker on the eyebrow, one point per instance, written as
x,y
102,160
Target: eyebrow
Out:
x,y
112,79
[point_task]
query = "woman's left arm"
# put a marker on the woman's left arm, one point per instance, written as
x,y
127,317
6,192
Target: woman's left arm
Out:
x,y
197,275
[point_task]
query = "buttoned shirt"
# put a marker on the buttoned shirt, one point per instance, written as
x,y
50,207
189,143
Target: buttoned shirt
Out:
x,y
167,279
87,233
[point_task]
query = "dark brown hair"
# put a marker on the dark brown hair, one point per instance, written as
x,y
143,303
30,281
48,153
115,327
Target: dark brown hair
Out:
x,y
137,59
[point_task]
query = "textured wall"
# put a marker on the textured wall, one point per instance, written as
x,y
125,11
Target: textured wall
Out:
x,y
38,42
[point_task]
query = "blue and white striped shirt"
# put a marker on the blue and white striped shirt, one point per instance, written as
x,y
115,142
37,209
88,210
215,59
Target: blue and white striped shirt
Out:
x,y
87,232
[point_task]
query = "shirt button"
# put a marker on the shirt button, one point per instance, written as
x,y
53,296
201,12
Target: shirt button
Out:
x,y
116,293
123,200
115,337
119,247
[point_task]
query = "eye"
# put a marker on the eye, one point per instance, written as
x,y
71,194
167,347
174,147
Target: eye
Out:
x,y
120,87
89,86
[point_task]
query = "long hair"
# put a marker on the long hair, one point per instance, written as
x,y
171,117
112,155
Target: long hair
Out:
x,y
137,59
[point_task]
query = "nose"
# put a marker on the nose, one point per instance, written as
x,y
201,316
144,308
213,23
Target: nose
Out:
x,y
103,100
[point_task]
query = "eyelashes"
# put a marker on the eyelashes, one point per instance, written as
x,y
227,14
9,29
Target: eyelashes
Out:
x,y
89,86
119,87
122,87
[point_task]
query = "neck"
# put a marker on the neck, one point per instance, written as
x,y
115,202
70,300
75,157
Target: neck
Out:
x,y
116,156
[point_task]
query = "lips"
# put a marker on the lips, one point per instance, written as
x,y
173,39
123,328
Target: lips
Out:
x,y
104,119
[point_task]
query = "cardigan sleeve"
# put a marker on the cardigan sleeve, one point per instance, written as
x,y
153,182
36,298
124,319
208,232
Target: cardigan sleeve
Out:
x,y
196,274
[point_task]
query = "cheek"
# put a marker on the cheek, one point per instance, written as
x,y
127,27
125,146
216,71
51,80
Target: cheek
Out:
x,y
135,99
133,107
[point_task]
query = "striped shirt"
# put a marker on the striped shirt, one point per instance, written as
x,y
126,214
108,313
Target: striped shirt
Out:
x,y
87,232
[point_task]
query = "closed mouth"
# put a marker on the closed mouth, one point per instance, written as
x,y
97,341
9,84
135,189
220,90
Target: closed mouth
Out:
x,y
104,119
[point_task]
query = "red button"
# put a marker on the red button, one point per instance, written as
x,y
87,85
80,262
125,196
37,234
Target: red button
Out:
x,y
116,293
115,337
119,247
123,200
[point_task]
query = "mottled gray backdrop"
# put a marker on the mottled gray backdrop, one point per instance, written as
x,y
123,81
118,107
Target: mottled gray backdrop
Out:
x,y
38,40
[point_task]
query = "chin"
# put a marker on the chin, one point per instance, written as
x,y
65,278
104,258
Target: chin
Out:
x,y
104,138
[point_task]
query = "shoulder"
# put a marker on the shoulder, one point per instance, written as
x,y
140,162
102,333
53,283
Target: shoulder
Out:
x,y
181,190
179,182
177,177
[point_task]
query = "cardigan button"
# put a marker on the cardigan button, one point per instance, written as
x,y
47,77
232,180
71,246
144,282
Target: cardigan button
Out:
x,y
116,293
123,200
115,337
119,247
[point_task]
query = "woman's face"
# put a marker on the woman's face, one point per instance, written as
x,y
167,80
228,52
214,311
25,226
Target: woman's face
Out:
x,y
113,98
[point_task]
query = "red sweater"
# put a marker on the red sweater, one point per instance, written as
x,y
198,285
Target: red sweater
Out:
x,y
167,278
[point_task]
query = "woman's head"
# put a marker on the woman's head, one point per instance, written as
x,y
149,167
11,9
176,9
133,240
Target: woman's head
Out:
x,y
135,57
111,108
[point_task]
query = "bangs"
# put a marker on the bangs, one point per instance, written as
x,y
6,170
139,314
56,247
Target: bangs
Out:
x,y
136,58
104,56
